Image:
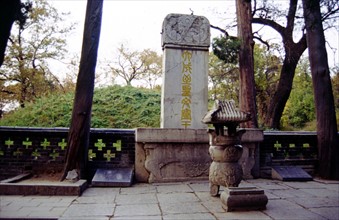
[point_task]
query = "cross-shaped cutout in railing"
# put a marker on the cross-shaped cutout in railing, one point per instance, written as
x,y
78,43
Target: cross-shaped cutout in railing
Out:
x,y
91,155
108,155
45,144
17,153
9,143
62,144
27,143
277,145
36,154
100,145
117,145
54,154
306,145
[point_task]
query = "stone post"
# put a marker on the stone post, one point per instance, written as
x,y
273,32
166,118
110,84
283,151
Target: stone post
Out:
x,y
185,41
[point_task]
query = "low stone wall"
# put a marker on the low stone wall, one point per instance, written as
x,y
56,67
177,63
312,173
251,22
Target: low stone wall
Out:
x,y
288,148
167,155
158,155
41,150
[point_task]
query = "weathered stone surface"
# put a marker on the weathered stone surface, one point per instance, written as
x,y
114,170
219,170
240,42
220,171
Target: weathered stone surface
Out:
x,y
185,30
176,161
198,142
141,210
113,177
44,188
252,135
234,199
225,174
164,155
248,160
171,135
290,173
184,99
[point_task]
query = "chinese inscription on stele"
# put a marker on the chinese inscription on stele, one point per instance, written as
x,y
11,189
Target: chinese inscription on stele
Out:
x,y
186,117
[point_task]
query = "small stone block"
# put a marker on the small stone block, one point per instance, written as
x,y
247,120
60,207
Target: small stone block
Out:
x,y
243,199
113,177
290,173
244,190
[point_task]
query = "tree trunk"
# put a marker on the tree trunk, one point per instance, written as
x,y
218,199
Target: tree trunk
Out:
x,y
327,136
293,52
246,63
78,136
9,10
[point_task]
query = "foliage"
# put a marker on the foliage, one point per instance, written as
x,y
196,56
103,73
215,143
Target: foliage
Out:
x,y
267,68
287,20
25,74
226,48
300,110
223,79
113,107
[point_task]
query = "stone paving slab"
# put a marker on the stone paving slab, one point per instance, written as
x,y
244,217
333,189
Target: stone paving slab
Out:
x,y
186,200
136,199
183,208
283,209
242,215
177,198
327,212
195,216
137,210
89,210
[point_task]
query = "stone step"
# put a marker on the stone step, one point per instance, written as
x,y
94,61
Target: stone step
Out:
x,y
113,177
290,173
243,199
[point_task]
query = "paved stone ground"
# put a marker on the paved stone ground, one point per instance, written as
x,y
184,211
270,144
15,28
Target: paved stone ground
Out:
x,y
189,200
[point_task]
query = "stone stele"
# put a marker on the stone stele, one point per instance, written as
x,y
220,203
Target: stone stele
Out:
x,y
185,41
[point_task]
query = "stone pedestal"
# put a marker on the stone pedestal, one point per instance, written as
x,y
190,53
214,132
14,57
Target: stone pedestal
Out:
x,y
243,198
171,155
184,99
225,152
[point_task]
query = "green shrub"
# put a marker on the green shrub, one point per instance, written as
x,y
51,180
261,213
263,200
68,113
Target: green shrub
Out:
x,y
113,107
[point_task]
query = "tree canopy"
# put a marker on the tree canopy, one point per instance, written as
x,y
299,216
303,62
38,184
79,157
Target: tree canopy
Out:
x,y
25,73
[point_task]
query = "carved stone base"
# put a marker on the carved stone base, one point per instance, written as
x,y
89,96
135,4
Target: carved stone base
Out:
x,y
224,174
243,198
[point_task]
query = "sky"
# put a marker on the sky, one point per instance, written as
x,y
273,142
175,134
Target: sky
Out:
x,y
137,24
